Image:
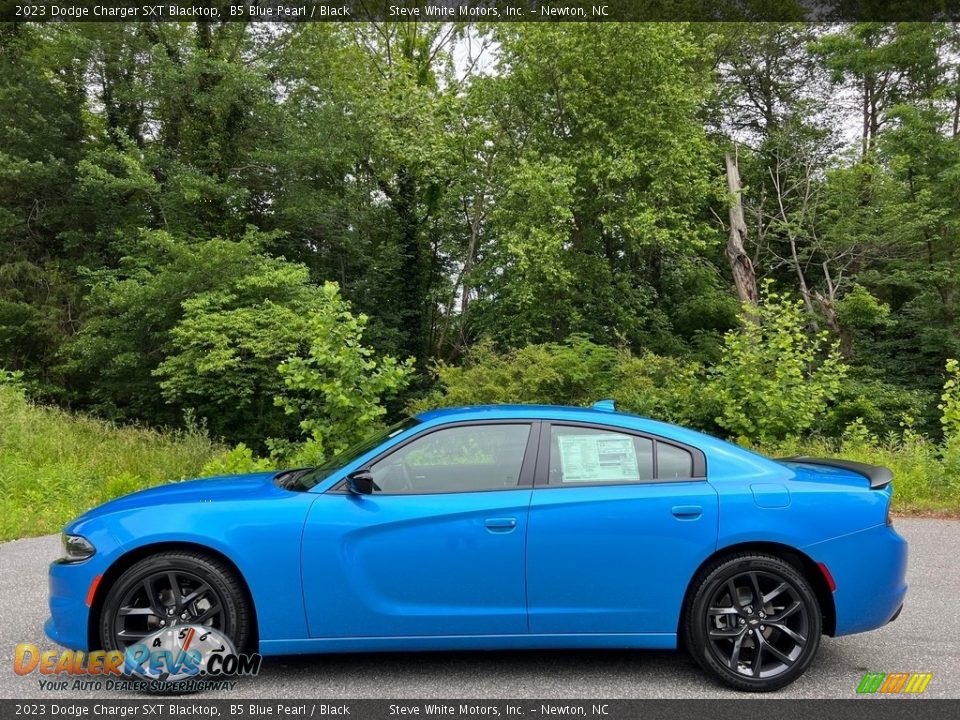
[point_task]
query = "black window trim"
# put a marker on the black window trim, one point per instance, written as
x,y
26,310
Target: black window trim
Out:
x,y
542,480
527,467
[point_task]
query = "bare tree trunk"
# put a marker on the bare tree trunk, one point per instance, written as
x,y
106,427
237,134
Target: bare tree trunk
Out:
x,y
865,132
804,288
956,114
828,306
744,276
462,281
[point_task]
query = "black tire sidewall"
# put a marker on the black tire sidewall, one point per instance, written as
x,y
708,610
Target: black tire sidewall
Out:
x,y
221,579
695,625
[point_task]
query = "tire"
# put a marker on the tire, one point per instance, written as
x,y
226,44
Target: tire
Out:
x,y
751,646
222,605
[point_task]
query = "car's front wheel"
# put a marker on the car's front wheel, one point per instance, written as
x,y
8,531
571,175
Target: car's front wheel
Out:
x,y
174,588
754,622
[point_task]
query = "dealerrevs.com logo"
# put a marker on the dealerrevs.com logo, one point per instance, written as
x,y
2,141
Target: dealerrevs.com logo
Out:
x,y
184,658
894,683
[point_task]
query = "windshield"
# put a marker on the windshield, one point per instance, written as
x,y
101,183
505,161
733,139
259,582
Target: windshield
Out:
x,y
306,480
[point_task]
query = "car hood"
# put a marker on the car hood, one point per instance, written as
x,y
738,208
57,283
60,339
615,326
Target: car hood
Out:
x,y
226,487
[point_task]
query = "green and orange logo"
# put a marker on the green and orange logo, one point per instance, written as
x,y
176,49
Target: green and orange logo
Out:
x,y
894,683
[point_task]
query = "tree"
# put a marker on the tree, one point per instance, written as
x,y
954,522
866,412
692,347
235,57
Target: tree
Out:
x,y
41,141
774,381
744,277
602,180
887,64
335,387
224,352
131,314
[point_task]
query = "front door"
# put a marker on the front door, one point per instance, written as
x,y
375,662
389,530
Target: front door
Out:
x,y
438,549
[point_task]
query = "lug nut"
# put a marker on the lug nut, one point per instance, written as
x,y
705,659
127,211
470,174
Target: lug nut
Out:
x,y
762,628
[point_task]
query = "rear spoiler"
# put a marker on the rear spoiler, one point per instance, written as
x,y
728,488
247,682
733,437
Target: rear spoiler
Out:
x,y
878,476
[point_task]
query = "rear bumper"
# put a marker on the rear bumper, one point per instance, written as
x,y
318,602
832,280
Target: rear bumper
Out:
x,y
870,570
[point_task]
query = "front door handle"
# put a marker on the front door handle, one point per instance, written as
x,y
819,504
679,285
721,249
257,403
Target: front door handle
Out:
x,y
500,524
687,512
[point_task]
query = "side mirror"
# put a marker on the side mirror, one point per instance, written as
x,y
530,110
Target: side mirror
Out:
x,y
361,483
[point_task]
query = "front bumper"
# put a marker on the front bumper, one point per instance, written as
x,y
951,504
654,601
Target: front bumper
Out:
x,y
870,569
69,613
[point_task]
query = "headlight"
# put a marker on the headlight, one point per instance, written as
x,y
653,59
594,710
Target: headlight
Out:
x,y
76,548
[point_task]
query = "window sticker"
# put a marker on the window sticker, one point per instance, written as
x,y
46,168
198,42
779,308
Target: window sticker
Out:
x,y
597,458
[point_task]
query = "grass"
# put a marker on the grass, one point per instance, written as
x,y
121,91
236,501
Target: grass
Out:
x,y
55,465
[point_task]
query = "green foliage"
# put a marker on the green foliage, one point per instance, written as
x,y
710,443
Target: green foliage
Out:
x,y
114,362
774,380
54,466
877,405
11,378
335,388
665,388
225,350
575,372
859,309
237,461
601,180
950,401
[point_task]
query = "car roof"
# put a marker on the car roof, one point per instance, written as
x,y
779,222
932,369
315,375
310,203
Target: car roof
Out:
x,y
525,411
601,414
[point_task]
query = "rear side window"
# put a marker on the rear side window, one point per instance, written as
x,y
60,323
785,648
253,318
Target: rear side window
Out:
x,y
585,455
673,463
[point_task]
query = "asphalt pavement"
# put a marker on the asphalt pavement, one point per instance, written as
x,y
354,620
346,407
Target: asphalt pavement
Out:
x,y
925,638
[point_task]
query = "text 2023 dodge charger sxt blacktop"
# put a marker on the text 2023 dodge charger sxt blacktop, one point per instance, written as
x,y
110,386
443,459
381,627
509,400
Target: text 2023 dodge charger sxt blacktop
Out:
x,y
502,527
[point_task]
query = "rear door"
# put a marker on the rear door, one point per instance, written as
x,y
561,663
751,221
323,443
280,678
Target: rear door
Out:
x,y
618,524
438,549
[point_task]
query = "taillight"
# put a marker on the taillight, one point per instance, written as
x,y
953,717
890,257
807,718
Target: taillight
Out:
x,y
889,514
827,576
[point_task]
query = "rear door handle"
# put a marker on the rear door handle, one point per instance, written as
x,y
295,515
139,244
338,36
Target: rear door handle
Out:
x,y
500,524
687,512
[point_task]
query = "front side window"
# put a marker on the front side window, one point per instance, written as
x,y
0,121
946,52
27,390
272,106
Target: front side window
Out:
x,y
466,458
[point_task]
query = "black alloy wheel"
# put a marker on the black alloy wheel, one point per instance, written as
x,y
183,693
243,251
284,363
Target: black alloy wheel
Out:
x,y
170,589
754,623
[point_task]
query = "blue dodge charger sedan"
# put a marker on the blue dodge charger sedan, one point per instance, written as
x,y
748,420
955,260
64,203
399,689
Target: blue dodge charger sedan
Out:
x,y
500,527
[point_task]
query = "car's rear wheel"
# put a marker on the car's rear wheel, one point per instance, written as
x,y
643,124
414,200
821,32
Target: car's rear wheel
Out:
x,y
754,622
174,588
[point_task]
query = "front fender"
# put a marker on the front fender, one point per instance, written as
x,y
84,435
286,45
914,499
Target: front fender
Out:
x,y
262,538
